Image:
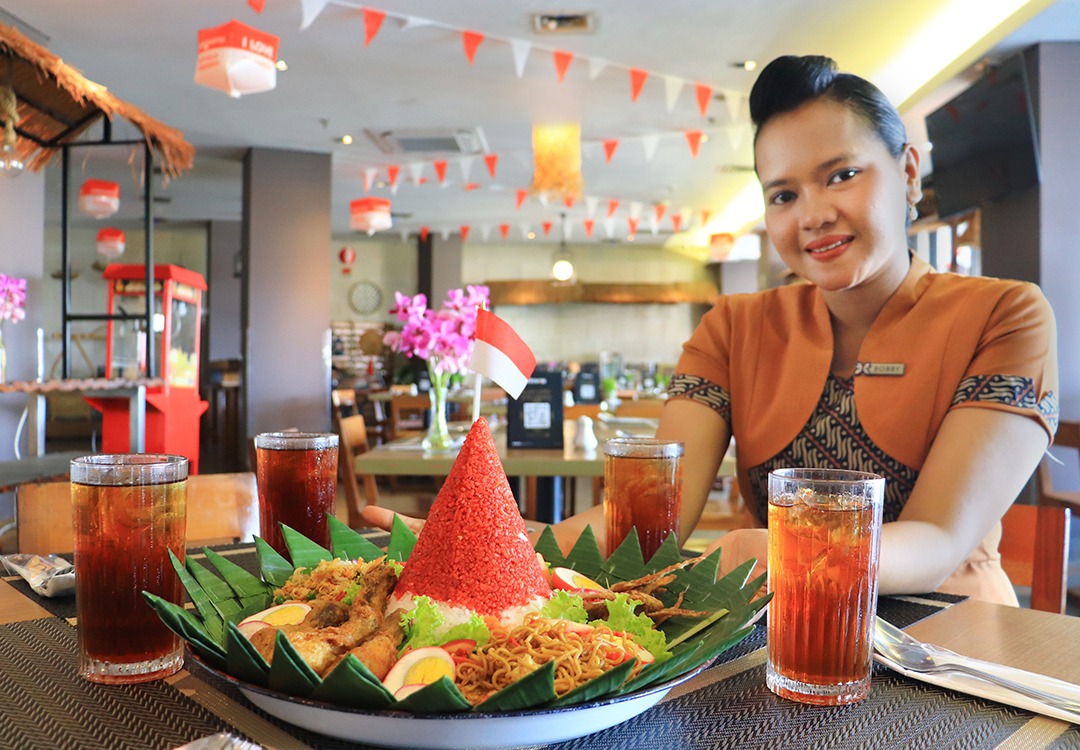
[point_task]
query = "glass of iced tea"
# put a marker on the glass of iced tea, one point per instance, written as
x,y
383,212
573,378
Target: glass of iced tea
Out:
x,y
824,539
129,511
642,490
297,478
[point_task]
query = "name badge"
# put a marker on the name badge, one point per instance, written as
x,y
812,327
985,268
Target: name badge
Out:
x,y
880,368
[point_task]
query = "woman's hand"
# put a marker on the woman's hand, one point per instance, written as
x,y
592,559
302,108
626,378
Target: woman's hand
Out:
x,y
739,545
383,518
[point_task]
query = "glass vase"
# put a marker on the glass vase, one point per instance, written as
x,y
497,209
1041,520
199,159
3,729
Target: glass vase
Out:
x,y
437,439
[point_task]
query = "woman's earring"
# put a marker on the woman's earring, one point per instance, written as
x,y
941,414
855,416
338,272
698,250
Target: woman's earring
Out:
x,y
912,212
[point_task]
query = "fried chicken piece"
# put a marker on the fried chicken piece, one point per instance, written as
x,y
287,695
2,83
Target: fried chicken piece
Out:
x,y
321,647
379,652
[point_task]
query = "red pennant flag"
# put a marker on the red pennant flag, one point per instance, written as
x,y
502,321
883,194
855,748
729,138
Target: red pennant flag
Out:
x,y
612,206
633,225
568,201
465,232
704,96
257,5
471,40
676,222
660,209
562,62
440,171
609,148
693,137
705,214
392,172
521,195
470,186
637,81
424,232
588,224
491,160
547,228
372,23
504,230
501,354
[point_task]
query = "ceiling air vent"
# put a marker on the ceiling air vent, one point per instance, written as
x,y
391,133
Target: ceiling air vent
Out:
x,y
563,23
427,141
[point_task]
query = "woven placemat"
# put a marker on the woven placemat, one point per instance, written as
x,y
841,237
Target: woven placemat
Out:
x,y
46,705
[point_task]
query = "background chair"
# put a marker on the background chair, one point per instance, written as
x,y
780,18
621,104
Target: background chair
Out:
x,y
352,436
1035,552
407,414
221,509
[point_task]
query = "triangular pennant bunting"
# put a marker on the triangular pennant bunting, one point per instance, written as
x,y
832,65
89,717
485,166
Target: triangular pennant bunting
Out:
x,y
546,227
562,62
504,230
596,67
673,86
693,137
704,96
392,174
632,222
609,148
465,163
372,23
637,81
471,40
520,49
465,232
424,233
612,206
591,202
588,224
310,10
491,160
257,5
650,143
416,169
440,170
521,196
369,179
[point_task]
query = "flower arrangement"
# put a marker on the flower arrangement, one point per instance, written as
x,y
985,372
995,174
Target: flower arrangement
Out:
x,y
13,298
443,337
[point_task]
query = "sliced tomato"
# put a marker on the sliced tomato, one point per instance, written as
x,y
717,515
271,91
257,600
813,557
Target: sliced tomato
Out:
x,y
460,650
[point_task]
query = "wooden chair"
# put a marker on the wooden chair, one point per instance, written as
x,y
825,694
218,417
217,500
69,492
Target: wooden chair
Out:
x,y
343,401
352,441
375,417
221,509
1035,552
407,414
1068,436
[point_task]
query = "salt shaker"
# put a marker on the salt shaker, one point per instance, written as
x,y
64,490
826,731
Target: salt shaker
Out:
x,y
585,438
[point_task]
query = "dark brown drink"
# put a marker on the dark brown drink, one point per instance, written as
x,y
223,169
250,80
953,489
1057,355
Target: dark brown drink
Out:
x,y
297,476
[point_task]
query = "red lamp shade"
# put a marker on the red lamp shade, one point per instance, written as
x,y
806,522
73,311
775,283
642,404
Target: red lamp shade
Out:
x,y
110,242
347,256
237,59
99,198
370,215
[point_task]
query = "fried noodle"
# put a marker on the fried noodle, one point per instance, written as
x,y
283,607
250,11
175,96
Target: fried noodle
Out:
x,y
510,655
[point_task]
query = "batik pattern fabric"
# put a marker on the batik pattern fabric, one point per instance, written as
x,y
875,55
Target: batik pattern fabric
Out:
x,y
834,439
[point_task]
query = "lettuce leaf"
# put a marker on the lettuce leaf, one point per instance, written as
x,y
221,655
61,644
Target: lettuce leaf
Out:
x,y
621,617
424,625
566,606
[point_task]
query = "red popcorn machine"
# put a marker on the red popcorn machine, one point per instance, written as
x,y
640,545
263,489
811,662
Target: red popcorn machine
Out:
x,y
173,406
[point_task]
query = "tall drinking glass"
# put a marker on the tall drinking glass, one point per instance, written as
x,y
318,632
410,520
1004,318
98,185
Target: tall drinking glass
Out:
x,y
297,478
824,540
643,490
129,510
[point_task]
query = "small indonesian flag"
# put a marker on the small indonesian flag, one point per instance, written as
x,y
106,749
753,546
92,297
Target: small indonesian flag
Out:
x,y
500,354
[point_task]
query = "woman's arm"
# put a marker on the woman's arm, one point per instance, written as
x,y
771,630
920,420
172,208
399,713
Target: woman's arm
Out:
x,y
977,465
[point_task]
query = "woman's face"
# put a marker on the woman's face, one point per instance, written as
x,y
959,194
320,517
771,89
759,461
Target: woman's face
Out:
x,y
835,198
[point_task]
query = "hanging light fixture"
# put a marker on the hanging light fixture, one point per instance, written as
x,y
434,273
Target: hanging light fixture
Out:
x,y
562,262
11,164
557,161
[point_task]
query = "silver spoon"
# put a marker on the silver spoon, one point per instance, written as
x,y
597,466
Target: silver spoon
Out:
x,y
916,656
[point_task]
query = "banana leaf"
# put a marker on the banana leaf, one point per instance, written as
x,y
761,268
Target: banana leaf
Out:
x,y
438,697
243,660
212,623
348,544
402,541
303,552
597,687
289,673
275,568
253,594
352,684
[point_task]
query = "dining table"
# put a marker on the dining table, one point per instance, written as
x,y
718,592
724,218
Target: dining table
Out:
x,y
550,467
47,705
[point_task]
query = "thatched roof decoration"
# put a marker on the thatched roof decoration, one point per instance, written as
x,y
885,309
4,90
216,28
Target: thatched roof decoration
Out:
x,y
57,103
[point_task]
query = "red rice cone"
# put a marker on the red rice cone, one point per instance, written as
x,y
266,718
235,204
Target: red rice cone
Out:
x,y
474,550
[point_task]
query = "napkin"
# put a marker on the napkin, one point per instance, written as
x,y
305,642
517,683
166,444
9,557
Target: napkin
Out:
x,y
963,683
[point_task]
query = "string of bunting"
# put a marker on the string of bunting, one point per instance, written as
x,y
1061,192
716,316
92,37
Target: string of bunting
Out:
x,y
520,51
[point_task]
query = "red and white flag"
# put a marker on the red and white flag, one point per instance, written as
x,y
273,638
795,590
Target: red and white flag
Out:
x,y
500,354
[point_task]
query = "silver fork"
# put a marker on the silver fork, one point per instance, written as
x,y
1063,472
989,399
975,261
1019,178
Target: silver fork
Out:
x,y
917,656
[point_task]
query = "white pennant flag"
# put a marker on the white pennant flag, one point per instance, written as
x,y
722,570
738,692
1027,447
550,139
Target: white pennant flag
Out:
x,y
609,227
635,209
404,235
672,88
310,10
524,231
591,202
736,135
649,143
596,67
412,22
520,48
686,215
445,234
465,163
544,199
567,230
369,179
733,102
654,225
416,170
485,232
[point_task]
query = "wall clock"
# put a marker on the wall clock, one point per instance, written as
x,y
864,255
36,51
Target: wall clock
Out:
x,y
365,297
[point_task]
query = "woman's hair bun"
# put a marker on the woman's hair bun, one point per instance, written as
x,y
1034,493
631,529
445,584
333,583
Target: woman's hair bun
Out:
x,y
787,82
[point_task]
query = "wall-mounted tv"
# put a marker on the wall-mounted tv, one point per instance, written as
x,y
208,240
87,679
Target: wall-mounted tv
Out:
x,y
984,141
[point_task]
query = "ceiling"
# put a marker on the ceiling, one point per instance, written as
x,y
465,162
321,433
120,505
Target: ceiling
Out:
x,y
414,77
